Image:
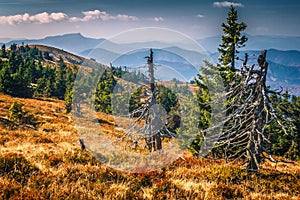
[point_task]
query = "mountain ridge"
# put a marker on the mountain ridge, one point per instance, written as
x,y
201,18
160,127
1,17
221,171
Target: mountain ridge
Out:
x,y
281,54
210,44
73,42
255,42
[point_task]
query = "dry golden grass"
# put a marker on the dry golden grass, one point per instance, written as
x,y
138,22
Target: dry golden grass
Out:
x,y
48,164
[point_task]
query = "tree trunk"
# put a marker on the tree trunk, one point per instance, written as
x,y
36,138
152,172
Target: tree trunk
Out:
x,y
154,141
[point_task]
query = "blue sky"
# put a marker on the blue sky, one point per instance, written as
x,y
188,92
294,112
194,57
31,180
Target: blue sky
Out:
x,y
105,18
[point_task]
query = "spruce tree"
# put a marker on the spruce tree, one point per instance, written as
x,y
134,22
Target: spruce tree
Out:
x,y
5,79
3,53
104,91
232,40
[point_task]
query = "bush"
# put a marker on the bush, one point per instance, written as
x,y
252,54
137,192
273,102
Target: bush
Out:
x,y
16,112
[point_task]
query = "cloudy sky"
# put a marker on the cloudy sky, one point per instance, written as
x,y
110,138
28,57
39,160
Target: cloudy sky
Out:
x,y
105,18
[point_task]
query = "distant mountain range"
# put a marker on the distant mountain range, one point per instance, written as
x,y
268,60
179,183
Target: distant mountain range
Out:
x,y
283,54
73,43
284,67
76,43
258,42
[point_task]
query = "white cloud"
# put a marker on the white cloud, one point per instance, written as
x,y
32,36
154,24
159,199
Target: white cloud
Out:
x,y
40,18
14,19
75,19
200,16
126,17
227,4
103,16
157,19
44,17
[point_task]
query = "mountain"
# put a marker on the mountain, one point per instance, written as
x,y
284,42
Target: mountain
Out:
x,y
256,42
172,62
73,43
5,40
284,67
283,54
184,64
279,73
76,43
288,58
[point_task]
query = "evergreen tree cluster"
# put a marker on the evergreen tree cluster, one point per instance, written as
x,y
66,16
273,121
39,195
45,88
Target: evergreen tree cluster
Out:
x,y
23,75
282,144
107,84
104,92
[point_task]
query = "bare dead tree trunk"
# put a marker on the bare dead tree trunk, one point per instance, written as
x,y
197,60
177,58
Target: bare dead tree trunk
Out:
x,y
255,143
154,139
244,132
149,123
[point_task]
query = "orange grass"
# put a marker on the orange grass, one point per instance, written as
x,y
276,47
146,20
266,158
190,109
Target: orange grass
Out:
x,y
48,164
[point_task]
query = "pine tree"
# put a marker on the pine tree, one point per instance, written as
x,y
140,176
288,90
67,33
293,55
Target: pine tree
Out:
x,y
69,99
232,40
221,76
60,80
210,100
282,144
45,85
5,79
13,47
104,91
3,51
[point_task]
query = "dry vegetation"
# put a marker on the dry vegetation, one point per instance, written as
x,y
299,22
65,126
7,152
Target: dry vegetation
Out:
x,y
48,164
56,53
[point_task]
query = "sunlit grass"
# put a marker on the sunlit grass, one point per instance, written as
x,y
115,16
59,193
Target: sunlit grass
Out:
x,y
48,163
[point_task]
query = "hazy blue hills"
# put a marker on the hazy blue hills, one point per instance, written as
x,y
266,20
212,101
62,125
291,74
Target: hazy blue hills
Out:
x,y
168,63
76,43
73,43
283,54
284,67
289,57
258,42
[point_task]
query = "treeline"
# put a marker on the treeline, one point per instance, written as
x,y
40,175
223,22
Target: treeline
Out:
x,y
115,90
22,73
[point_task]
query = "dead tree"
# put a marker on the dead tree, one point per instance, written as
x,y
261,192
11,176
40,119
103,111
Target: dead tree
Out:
x,y
244,133
153,138
148,122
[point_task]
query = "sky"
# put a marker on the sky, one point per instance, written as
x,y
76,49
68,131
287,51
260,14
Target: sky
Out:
x,y
34,19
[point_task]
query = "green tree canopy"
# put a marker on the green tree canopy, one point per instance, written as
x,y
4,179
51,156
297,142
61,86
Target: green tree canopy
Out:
x,y
232,39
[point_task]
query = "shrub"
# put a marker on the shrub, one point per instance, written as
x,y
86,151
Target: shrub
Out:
x,y
16,112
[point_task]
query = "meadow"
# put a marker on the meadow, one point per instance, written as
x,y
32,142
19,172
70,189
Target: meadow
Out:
x,y
48,163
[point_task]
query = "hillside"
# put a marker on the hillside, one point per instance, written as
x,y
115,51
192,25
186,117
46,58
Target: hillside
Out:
x,y
48,163
41,156
68,57
56,53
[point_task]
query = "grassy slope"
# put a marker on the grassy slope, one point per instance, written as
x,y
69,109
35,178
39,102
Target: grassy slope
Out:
x,y
48,163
